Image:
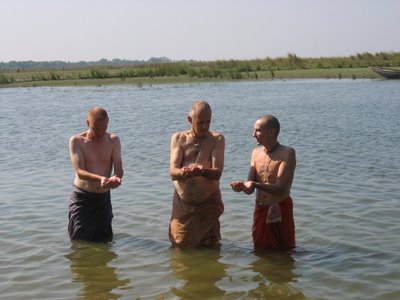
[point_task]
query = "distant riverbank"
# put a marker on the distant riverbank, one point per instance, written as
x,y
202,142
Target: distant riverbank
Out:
x,y
290,67
67,78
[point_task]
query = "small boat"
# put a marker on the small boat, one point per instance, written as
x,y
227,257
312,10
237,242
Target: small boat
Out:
x,y
387,72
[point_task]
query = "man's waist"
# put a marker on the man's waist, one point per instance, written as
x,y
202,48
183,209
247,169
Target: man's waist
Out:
x,y
197,199
84,186
271,200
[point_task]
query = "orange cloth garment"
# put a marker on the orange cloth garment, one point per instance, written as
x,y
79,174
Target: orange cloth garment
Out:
x,y
276,236
196,224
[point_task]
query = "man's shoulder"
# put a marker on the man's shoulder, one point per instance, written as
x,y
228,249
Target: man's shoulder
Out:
x,y
110,140
112,136
257,150
180,135
78,137
287,153
287,149
216,135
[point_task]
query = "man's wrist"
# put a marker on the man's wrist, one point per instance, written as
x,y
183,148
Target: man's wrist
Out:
x,y
261,186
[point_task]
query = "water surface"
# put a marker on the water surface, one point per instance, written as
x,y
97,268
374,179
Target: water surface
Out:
x,y
346,193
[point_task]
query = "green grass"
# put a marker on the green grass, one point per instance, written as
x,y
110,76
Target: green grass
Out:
x,y
290,67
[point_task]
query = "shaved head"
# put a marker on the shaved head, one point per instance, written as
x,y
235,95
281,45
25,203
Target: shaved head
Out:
x,y
269,121
198,106
97,114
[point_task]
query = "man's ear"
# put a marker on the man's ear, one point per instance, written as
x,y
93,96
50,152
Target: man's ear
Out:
x,y
87,122
189,118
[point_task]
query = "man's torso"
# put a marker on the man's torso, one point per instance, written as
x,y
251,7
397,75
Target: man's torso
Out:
x,y
267,167
200,151
97,159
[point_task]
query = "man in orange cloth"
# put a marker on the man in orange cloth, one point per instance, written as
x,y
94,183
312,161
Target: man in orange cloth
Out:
x,y
95,153
271,174
196,164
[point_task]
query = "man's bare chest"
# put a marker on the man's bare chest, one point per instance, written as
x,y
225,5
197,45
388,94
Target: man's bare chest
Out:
x,y
93,153
267,169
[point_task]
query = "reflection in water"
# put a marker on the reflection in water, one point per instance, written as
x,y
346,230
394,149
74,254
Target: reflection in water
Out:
x,y
275,273
89,265
198,271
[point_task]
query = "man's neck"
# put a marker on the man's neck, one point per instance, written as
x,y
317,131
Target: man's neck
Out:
x,y
271,148
92,137
197,137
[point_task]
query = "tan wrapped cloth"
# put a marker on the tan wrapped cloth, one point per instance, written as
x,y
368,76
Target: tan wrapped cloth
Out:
x,y
196,224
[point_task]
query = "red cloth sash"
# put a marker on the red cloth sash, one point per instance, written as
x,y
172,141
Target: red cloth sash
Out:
x,y
276,236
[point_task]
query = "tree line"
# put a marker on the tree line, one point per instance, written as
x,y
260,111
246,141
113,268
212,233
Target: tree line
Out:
x,y
59,64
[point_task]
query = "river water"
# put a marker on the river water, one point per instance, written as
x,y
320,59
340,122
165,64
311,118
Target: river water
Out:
x,y
346,193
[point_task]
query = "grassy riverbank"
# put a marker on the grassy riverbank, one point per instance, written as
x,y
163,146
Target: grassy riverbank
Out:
x,y
354,67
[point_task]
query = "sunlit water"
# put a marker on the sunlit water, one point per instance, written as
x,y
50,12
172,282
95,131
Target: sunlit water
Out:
x,y
346,193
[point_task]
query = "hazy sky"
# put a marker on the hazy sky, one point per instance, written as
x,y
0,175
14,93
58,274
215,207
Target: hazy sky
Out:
x,y
74,30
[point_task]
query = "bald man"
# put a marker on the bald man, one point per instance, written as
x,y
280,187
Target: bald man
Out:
x,y
271,175
196,165
95,154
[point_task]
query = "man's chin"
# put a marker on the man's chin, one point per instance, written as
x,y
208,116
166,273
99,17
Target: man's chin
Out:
x,y
201,134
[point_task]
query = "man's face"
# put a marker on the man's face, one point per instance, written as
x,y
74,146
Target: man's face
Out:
x,y
261,134
98,128
201,121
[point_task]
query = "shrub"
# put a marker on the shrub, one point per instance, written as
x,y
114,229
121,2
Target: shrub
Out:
x,y
99,73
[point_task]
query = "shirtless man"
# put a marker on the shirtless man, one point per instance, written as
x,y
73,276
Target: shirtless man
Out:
x,y
94,154
196,164
271,175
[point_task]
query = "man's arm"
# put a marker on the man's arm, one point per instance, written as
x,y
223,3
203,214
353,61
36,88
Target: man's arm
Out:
x,y
249,189
115,181
117,157
240,186
78,162
217,160
175,162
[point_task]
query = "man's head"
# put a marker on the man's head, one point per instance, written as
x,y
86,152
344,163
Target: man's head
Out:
x,y
97,121
200,118
266,129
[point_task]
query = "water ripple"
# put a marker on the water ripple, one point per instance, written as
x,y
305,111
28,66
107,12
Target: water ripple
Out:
x,y
345,193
